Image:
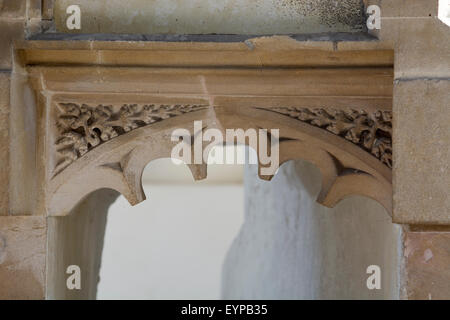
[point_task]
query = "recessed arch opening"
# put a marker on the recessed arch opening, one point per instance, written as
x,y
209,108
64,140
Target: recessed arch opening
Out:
x,y
180,234
151,251
185,247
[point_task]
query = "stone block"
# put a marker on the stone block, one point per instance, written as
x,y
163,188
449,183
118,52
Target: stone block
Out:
x,y
427,257
421,140
13,8
421,41
22,257
422,47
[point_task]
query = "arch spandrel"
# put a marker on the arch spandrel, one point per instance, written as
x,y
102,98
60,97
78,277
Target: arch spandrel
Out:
x,y
103,124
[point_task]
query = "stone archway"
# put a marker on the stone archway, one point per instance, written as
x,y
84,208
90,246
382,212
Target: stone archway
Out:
x,y
36,75
100,118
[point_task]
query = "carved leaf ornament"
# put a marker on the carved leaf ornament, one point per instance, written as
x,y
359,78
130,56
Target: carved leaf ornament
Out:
x,y
82,127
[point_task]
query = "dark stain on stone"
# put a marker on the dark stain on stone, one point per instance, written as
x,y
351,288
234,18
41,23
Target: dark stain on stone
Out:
x,y
331,12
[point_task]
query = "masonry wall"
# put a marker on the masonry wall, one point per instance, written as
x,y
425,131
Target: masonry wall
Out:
x,y
421,139
421,154
23,238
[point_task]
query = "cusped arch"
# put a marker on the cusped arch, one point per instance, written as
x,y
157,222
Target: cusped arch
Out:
x,y
118,162
105,110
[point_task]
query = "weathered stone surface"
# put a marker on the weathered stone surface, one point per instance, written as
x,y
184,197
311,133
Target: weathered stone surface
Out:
x,y
421,41
406,8
22,257
4,142
34,9
10,30
47,9
214,17
421,152
13,8
426,269
422,47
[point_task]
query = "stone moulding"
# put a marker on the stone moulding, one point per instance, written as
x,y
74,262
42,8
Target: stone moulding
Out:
x,y
102,118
